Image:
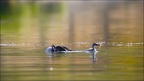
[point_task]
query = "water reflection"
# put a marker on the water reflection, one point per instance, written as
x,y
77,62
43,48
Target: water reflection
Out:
x,y
94,56
92,67
63,53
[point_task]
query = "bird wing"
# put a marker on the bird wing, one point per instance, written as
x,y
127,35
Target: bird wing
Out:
x,y
59,48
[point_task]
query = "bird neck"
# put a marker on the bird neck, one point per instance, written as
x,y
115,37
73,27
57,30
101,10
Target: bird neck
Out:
x,y
93,47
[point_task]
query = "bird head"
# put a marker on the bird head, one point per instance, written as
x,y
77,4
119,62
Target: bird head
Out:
x,y
95,44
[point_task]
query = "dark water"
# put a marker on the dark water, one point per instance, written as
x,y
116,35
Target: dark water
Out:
x,y
32,27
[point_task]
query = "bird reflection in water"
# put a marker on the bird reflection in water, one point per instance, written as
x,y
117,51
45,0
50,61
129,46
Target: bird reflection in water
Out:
x,y
93,54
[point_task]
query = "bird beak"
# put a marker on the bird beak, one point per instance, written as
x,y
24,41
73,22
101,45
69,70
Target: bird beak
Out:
x,y
98,45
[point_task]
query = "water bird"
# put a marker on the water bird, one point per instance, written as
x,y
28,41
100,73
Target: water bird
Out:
x,y
58,49
93,49
54,48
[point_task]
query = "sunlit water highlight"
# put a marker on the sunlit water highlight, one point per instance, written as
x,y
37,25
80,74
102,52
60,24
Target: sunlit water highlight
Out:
x,y
78,43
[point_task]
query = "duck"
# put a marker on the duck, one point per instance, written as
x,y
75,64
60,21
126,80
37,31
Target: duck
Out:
x,y
93,49
55,49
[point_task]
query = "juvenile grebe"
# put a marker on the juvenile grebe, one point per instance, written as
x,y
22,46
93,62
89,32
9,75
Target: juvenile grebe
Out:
x,y
93,47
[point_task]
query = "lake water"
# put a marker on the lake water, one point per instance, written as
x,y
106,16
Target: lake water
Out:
x,y
112,63
31,28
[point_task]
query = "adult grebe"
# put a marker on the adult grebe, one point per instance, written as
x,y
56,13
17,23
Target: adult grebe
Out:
x,y
54,48
93,47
